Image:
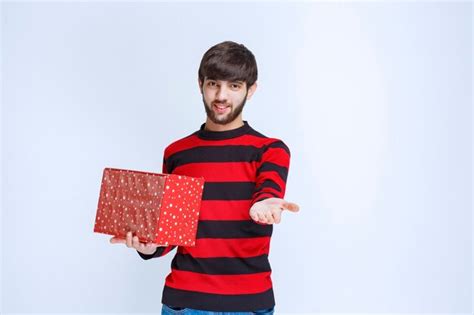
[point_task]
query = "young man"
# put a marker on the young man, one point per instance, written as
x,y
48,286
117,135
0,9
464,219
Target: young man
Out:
x,y
245,176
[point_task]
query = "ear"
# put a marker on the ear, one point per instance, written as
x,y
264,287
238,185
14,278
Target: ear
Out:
x,y
200,85
252,89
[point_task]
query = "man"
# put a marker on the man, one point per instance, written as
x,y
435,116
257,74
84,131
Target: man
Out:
x,y
245,176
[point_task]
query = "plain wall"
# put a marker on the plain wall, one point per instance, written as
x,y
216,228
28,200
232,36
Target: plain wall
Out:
x,y
374,101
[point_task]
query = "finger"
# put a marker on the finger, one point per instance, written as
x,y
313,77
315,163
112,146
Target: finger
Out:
x,y
293,207
276,213
269,217
146,246
129,239
117,240
254,217
276,210
277,218
261,218
136,242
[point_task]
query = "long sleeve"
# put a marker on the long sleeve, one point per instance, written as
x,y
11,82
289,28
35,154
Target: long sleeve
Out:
x,y
228,269
272,172
161,250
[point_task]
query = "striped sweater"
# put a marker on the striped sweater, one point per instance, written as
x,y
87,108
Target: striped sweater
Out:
x,y
228,268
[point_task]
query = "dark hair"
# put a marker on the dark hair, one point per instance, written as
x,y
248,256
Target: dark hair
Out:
x,y
229,61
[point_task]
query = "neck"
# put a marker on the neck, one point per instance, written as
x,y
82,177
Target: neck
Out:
x,y
211,126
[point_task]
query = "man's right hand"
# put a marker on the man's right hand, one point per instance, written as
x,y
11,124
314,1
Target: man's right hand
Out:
x,y
133,242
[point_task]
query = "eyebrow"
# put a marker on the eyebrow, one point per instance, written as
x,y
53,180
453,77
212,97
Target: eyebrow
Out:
x,y
234,81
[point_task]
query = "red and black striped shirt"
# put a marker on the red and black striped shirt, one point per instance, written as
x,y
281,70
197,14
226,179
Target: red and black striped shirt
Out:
x,y
228,268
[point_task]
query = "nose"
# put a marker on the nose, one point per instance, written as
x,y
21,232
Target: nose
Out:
x,y
221,93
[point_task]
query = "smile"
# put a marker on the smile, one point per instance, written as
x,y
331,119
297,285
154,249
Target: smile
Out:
x,y
221,109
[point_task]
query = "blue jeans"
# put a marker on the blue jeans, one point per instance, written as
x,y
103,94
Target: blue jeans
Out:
x,y
166,310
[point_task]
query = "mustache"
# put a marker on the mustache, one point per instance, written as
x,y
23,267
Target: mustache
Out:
x,y
220,103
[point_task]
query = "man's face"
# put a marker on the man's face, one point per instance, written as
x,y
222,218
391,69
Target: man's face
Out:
x,y
224,100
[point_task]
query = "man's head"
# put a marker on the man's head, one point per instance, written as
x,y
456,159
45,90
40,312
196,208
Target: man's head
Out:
x,y
227,78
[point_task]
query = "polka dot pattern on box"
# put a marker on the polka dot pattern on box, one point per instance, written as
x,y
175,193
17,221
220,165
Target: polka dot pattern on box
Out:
x,y
159,208
180,210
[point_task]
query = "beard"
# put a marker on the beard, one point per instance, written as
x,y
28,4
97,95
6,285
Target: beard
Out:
x,y
220,119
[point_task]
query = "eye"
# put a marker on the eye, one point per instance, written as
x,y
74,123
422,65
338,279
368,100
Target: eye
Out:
x,y
235,86
211,83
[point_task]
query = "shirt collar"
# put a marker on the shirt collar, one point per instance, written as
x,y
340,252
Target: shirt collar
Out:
x,y
221,135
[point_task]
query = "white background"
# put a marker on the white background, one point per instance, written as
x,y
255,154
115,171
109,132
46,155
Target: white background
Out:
x,y
374,101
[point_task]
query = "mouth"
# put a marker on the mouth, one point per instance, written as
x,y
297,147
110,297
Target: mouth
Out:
x,y
220,109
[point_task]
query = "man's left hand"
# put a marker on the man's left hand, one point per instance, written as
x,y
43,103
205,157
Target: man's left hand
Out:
x,y
268,211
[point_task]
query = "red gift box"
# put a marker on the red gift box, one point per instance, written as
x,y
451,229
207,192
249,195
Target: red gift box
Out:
x,y
158,208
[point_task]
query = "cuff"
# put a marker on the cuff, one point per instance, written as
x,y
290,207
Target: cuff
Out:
x,y
157,253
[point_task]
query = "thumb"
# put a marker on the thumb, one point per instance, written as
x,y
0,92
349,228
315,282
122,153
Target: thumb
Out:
x,y
293,207
117,240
